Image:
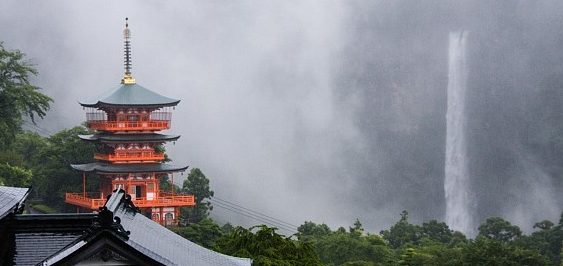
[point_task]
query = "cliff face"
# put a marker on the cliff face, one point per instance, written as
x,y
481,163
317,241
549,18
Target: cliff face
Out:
x,y
514,91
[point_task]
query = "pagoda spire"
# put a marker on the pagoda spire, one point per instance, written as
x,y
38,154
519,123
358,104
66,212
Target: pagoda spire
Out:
x,y
127,78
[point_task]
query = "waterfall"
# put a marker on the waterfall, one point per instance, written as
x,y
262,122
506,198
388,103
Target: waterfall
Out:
x,y
456,184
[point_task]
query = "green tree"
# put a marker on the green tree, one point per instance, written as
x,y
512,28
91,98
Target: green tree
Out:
x,y
227,228
359,263
430,252
438,231
18,97
402,232
357,229
342,247
29,145
17,160
206,232
547,240
165,184
412,257
52,174
544,225
458,238
310,230
489,251
345,248
499,229
198,185
14,176
266,247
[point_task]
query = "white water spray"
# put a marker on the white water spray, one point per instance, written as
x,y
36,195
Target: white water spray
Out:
x,y
456,183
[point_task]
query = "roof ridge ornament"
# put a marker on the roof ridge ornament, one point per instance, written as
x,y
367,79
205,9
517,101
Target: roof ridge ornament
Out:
x,y
106,221
127,78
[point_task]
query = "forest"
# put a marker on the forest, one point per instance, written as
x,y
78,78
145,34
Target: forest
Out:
x,y
28,159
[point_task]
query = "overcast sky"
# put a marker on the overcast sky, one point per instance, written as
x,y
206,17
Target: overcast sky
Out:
x,y
309,110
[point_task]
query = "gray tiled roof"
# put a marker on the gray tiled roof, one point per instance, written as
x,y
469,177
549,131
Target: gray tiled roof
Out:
x,y
34,247
148,235
10,198
131,95
156,241
100,167
38,236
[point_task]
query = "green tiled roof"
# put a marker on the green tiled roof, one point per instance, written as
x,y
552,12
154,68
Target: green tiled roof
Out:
x,y
131,95
150,137
106,168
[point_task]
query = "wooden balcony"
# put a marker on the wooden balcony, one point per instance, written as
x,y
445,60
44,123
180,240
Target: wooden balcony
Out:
x,y
138,155
114,126
165,201
93,201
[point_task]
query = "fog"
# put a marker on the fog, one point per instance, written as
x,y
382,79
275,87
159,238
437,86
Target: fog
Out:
x,y
324,110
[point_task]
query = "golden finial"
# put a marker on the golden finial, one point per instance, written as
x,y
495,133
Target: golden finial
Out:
x,y
127,78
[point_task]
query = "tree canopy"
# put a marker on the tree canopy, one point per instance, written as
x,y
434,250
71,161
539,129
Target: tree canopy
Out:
x,y
197,184
14,176
499,229
49,159
18,97
266,247
19,100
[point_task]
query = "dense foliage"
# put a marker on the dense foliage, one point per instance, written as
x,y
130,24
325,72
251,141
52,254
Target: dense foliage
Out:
x,y
197,184
432,243
47,160
19,99
266,247
14,176
205,232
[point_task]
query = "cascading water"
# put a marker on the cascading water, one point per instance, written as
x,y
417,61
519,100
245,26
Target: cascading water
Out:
x,y
456,183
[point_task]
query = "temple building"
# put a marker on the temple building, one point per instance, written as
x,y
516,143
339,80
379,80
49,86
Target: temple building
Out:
x,y
130,152
118,234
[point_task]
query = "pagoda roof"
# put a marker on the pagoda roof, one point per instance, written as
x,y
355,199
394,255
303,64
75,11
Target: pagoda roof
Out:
x,y
150,137
107,168
131,95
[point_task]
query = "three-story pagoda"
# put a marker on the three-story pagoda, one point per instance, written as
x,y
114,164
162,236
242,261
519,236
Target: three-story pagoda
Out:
x,y
130,152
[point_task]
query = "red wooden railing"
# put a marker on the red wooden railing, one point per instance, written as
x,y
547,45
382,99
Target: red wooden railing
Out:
x,y
168,201
131,155
89,200
151,125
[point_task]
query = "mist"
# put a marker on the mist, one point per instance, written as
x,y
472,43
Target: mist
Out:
x,y
325,110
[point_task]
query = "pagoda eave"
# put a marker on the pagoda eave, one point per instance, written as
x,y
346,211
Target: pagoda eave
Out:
x,y
118,138
106,168
129,105
131,95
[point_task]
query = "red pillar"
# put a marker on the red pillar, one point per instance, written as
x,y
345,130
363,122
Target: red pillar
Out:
x,y
84,184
